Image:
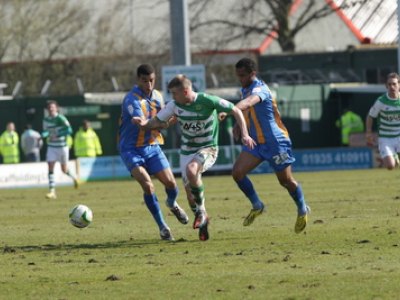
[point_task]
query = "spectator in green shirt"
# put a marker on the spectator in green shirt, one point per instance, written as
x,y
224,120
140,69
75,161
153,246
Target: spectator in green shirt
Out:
x,y
349,123
86,141
9,145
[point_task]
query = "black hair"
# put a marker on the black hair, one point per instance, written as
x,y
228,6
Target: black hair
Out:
x,y
145,69
248,64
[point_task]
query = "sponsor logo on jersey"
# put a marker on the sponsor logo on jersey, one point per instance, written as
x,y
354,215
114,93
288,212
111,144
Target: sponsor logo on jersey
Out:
x,y
130,109
256,90
394,117
193,126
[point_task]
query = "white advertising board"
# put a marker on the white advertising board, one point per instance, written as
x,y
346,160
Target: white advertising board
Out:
x,y
33,175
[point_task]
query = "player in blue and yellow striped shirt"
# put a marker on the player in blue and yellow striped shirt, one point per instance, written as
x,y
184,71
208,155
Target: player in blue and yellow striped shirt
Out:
x,y
141,152
273,144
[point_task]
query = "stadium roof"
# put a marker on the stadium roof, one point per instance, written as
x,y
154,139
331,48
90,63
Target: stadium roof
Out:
x,y
357,88
374,22
370,22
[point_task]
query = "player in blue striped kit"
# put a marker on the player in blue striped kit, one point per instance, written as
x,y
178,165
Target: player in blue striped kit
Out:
x,y
273,144
141,152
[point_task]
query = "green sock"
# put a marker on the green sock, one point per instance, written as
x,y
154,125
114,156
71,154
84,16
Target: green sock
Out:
x,y
198,194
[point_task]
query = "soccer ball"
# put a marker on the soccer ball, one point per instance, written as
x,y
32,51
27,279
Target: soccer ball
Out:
x,y
81,216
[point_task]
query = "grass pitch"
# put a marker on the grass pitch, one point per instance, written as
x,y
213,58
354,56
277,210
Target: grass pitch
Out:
x,y
350,248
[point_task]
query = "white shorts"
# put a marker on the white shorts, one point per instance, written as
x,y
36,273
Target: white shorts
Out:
x,y
60,154
388,146
206,157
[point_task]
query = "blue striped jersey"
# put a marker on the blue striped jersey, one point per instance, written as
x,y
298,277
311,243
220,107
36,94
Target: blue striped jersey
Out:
x,y
137,104
263,119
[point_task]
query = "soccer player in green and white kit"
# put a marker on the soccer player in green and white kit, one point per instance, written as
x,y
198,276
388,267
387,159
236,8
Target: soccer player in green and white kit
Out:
x,y
386,110
197,115
56,129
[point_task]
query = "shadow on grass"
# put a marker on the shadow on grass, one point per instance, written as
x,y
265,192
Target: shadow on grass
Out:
x,y
110,245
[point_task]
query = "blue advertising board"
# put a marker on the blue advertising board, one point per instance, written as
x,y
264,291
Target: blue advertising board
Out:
x,y
102,168
111,167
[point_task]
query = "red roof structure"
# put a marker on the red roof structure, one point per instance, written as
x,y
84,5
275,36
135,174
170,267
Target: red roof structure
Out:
x,y
373,22
363,22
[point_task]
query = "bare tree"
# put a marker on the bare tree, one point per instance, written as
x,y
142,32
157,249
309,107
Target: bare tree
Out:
x,y
38,29
5,33
48,29
63,40
264,17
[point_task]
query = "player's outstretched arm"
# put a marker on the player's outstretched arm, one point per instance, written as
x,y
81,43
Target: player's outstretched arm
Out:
x,y
248,102
246,139
153,123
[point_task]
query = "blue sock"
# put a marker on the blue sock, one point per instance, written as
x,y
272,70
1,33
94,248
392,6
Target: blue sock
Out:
x,y
247,188
153,206
298,198
172,194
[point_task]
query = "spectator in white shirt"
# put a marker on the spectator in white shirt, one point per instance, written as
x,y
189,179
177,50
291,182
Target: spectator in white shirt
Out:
x,y
31,143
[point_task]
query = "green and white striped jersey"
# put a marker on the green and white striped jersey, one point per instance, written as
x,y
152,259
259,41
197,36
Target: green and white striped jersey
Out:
x,y
387,111
198,121
55,130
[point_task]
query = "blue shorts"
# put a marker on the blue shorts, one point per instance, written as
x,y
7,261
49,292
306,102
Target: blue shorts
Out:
x,y
150,157
279,156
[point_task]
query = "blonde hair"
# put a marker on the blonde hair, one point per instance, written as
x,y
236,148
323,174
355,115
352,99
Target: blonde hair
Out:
x,y
393,75
179,81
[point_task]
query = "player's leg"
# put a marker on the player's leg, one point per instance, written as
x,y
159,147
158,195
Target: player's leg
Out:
x,y
150,199
193,175
158,164
194,199
287,180
189,196
192,167
135,162
51,158
65,169
166,177
195,196
389,162
388,151
388,148
243,165
52,185
63,159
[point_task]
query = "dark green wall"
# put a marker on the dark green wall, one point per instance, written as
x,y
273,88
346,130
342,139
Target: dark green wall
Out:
x,y
369,65
31,110
323,103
